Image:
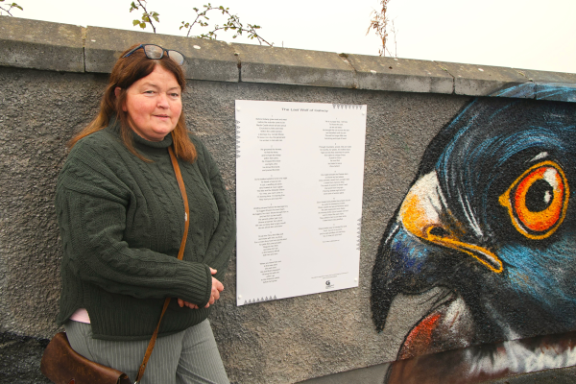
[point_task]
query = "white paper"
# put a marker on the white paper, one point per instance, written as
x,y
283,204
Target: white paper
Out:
x,y
299,177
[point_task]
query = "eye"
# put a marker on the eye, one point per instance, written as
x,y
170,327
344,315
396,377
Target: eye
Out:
x,y
537,201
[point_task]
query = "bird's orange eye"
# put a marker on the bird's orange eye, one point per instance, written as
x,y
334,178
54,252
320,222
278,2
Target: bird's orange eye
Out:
x,y
537,200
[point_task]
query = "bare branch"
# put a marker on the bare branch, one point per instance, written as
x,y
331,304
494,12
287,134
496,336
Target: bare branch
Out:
x,y
379,24
395,34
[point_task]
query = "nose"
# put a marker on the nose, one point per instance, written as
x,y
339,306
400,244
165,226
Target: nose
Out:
x,y
162,101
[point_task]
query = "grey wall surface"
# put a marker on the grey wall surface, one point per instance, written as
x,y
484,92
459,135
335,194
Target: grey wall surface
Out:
x,y
44,99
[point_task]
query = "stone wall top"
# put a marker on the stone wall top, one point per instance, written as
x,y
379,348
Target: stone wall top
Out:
x,y
61,47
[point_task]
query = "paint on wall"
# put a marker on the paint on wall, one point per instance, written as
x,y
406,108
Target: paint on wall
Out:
x,y
490,220
487,361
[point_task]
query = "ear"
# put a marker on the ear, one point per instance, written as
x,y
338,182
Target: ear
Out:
x,y
117,91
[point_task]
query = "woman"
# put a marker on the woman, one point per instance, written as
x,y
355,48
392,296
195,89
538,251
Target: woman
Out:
x,y
121,219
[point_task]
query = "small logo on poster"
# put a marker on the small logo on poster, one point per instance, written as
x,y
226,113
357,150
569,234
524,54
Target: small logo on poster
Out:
x,y
329,284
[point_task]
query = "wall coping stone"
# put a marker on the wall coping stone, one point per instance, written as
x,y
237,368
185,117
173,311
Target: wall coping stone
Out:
x,y
41,45
480,80
540,77
264,64
205,59
403,75
51,46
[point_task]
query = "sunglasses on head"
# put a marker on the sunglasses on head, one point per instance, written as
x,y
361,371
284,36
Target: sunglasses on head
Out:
x,y
156,52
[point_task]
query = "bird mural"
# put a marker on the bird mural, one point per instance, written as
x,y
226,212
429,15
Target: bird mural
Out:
x,y
489,222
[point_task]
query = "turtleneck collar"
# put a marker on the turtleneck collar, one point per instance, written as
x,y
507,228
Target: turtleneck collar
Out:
x,y
153,144
140,141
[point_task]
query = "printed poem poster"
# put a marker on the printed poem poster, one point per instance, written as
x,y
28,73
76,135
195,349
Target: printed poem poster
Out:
x,y
299,177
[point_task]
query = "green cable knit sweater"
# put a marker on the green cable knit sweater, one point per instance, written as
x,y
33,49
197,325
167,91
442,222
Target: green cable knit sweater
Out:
x,y
121,222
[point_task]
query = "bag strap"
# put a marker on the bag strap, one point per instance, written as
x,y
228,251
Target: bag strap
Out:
x,y
180,256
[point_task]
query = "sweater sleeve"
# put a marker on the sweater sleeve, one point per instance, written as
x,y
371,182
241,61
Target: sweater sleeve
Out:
x,y
223,240
91,212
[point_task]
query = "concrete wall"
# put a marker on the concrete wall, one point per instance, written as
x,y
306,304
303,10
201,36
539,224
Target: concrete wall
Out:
x,y
52,76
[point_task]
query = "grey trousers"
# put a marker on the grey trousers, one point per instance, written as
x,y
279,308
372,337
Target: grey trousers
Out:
x,y
190,356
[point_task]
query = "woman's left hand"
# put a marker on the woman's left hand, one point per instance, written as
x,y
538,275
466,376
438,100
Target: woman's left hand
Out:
x,y
182,303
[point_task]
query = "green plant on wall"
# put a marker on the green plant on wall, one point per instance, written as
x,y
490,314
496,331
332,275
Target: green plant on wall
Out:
x,y
147,16
232,24
6,8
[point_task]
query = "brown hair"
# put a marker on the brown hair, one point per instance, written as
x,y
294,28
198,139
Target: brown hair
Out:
x,y
126,72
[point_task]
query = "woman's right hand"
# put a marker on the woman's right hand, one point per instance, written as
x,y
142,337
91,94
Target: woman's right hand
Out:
x,y
217,287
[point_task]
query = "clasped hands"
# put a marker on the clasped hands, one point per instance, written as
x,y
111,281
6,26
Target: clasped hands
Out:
x,y
217,287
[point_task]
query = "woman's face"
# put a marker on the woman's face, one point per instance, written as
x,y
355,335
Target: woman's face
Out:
x,y
153,104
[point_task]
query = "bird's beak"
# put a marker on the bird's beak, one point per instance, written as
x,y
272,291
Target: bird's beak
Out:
x,y
424,216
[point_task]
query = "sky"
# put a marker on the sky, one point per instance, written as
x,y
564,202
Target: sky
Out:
x,y
525,34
